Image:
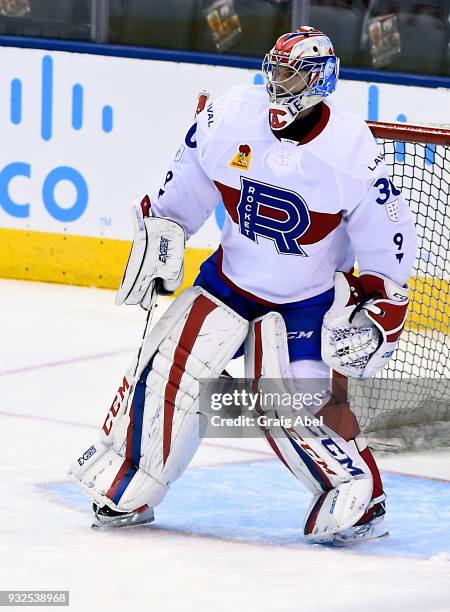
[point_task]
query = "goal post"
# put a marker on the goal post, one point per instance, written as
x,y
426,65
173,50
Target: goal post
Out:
x,y
408,404
404,132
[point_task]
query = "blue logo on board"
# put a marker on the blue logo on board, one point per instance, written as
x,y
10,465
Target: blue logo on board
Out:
x,y
61,173
77,110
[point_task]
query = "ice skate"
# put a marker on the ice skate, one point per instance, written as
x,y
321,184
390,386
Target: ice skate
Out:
x,y
106,518
372,528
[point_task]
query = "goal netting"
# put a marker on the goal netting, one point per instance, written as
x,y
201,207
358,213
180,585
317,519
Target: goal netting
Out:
x,y
408,404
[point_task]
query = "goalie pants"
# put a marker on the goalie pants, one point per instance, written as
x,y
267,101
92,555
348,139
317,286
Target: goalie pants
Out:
x,y
303,319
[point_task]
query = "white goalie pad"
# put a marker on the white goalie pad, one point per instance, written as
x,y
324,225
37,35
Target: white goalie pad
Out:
x,y
361,330
333,511
147,442
157,252
315,455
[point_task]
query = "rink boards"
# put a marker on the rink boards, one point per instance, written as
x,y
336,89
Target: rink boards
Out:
x,y
99,262
85,135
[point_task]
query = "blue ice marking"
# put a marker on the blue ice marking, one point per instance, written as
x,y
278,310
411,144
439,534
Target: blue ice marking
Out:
x,y
237,502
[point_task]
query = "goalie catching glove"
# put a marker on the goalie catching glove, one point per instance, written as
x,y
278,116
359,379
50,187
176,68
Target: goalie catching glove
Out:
x,y
156,254
361,330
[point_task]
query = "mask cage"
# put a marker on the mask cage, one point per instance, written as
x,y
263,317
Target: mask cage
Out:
x,y
321,76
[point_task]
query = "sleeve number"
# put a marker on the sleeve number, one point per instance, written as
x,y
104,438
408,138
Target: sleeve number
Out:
x,y
386,188
169,177
398,241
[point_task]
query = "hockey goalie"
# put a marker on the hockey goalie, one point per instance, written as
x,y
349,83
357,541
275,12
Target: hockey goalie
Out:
x,y
306,194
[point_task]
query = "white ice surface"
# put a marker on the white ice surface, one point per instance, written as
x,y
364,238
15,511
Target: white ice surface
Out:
x,y
63,349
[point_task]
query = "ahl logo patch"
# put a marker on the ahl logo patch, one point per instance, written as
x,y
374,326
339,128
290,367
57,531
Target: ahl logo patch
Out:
x,y
242,158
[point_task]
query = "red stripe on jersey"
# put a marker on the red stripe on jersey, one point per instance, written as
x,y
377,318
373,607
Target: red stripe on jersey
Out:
x,y
230,197
322,224
200,309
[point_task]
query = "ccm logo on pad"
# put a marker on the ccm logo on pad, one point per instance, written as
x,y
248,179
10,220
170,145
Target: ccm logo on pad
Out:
x,y
121,396
298,334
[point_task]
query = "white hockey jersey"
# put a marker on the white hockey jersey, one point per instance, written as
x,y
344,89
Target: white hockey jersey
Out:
x,y
296,213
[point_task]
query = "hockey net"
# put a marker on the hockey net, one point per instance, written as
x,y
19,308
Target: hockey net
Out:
x,y
408,405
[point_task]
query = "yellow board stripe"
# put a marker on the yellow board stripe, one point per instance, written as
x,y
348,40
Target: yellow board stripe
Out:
x,y
74,260
99,262
430,301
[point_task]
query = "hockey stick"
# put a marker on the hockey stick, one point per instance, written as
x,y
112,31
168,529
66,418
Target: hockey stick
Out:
x,y
148,322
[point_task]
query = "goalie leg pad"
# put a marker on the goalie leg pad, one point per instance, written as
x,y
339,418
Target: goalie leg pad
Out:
x,y
329,466
152,441
316,456
336,510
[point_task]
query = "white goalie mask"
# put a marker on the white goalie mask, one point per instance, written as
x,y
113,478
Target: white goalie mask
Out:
x,y
300,71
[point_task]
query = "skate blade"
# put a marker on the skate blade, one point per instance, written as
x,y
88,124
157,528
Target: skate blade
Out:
x,y
357,541
133,519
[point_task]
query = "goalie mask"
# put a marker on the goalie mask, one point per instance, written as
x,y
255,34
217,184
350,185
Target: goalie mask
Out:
x,y
300,71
